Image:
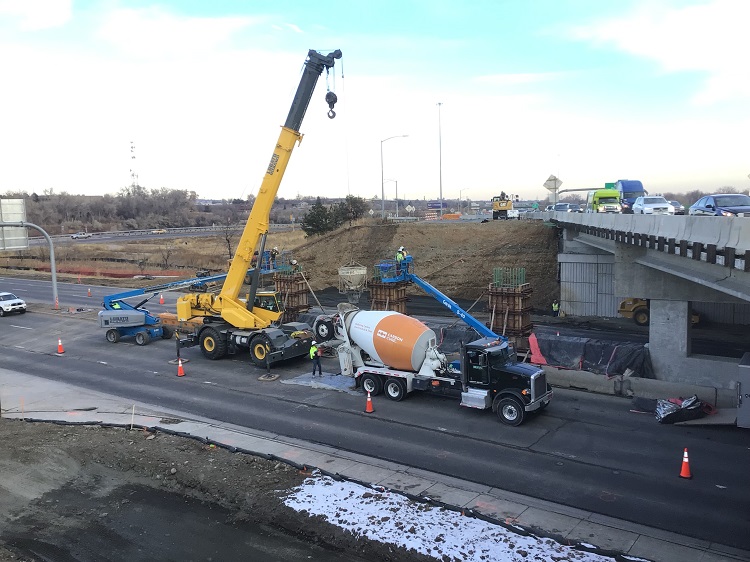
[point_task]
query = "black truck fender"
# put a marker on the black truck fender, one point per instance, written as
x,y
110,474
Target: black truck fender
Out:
x,y
516,393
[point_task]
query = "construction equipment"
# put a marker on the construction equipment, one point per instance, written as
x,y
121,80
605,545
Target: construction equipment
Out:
x,y
393,353
229,322
120,318
502,208
639,311
396,353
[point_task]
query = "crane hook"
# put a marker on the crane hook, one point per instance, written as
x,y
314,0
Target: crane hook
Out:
x,y
331,100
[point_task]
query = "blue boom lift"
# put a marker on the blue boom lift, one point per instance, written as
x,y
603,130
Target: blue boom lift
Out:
x,y
120,318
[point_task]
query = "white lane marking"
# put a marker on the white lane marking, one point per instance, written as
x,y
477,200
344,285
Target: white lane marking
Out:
x,y
102,362
19,346
21,327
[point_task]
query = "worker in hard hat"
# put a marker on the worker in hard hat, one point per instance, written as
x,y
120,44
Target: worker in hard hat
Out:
x,y
400,255
274,253
315,354
296,267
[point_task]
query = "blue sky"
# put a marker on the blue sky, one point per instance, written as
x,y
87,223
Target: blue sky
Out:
x,y
587,90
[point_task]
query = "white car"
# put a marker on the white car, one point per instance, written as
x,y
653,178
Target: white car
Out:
x,y
79,235
11,303
652,205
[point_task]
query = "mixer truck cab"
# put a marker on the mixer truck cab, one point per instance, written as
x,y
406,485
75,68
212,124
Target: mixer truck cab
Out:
x,y
391,353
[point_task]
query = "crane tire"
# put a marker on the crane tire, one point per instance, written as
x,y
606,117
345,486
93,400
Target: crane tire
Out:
x,y
260,347
212,343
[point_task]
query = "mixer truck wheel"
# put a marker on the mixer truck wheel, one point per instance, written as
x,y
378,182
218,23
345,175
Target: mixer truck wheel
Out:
x,y
372,384
510,411
260,347
324,330
395,389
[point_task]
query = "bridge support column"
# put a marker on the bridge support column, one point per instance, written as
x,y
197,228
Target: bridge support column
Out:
x,y
669,333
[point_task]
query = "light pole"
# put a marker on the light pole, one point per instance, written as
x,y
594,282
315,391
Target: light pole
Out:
x,y
396,182
382,181
460,191
440,156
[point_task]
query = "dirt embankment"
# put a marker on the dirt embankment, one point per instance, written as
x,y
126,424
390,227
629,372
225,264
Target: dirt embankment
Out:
x,y
457,258
91,493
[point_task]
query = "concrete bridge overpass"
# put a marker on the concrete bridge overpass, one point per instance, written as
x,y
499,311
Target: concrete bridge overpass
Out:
x,y
678,262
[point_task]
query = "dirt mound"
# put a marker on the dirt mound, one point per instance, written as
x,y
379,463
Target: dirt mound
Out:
x,y
457,258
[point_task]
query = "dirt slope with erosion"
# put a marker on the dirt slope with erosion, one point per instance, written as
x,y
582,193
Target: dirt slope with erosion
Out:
x,y
457,258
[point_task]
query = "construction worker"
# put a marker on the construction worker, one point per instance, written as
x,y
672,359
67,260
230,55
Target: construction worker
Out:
x,y
274,253
315,354
401,253
555,308
296,267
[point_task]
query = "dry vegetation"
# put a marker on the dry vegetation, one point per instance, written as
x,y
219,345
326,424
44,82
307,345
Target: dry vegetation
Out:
x,y
458,258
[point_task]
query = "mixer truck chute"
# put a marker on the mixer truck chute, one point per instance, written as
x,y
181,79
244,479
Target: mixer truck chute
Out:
x,y
397,354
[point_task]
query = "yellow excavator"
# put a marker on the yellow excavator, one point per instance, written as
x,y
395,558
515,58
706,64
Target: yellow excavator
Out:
x,y
230,323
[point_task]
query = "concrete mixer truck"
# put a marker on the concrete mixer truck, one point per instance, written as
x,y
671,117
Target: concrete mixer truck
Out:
x,y
393,353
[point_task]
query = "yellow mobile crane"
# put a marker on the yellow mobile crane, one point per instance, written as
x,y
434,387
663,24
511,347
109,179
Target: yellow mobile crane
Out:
x,y
230,323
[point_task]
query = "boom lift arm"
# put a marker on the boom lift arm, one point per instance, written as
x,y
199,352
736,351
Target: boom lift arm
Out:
x,y
227,304
405,273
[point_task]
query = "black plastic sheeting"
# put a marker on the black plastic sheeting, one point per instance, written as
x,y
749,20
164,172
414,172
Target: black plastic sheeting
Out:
x,y
604,357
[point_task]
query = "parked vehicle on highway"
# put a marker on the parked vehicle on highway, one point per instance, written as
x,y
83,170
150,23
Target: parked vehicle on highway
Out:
x,y
11,303
652,205
80,235
159,231
679,208
722,205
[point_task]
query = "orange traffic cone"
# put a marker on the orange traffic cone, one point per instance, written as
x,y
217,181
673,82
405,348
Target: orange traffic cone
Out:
x,y
161,299
89,292
59,346
369,409
180,370
685,471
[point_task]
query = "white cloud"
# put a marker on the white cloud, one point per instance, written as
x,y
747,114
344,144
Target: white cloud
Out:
x,y
153,32
517,79
710,38
33,15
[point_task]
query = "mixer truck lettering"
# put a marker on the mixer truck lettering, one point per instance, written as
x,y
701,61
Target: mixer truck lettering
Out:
x,y
388,352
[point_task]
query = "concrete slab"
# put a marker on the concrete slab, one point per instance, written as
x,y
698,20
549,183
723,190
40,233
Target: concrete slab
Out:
x,y
648,531
450,495
554,523
450,481
497,508
540,504
368,473
406,483
723,552
607,538
654,549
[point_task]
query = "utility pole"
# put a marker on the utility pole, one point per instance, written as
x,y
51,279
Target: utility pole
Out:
x,y
133,175
440,157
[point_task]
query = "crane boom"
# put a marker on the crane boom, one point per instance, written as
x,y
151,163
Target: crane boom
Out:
x,y
227,303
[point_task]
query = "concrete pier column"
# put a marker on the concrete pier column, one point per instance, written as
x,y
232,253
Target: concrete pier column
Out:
x,y
669,333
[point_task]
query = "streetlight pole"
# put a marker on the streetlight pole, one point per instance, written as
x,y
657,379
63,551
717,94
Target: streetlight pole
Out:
x,y
440,156
382,180
396,182
460,191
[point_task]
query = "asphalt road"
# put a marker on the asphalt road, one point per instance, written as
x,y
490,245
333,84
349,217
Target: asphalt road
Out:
x,y
585,451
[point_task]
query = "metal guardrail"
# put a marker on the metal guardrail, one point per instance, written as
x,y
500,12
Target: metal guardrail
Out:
x,y
179,230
